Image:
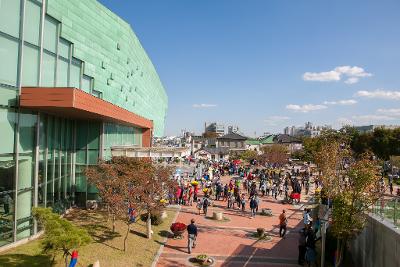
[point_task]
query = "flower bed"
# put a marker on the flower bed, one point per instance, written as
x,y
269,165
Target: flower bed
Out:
x,y
178,229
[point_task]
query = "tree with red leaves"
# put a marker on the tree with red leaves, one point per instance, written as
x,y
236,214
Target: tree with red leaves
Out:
x,y
125,183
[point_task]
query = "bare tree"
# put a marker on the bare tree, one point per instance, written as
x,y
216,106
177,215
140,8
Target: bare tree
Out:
x,y
112,185
277,154
125,183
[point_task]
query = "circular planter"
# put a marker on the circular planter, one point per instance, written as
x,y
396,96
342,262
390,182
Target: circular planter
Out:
x,y
266,212
256,236
209,261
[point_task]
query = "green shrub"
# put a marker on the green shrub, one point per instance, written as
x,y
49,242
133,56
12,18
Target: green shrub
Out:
x,y
60,235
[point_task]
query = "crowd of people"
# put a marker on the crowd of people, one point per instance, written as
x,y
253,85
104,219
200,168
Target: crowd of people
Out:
x,y
243,192
248,183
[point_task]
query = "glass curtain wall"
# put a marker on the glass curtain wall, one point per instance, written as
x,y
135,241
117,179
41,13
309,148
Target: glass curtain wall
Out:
x,y
55,162
87,153
54,150
43,157
7,175
120,135
26,172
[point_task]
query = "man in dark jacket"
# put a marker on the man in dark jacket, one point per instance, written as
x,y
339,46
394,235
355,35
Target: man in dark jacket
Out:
x,y
192,235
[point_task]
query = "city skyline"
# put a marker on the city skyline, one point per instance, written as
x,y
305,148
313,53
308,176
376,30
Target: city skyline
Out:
x,y
272,64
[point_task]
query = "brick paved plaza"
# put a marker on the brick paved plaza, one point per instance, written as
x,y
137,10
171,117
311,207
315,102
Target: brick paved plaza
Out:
x,y
230,242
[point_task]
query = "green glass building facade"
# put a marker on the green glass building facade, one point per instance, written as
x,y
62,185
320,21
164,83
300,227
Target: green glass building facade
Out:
x,y
52,44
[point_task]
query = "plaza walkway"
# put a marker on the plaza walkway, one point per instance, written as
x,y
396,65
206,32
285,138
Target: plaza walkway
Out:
x,y
231,243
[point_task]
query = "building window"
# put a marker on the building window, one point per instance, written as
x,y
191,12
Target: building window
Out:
x,y
48,70
50,34
32,23
86,83
9,17
30,69
62,72
64,48
9,61
75,73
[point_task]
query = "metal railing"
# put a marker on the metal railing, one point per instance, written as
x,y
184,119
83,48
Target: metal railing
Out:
x,y
388,209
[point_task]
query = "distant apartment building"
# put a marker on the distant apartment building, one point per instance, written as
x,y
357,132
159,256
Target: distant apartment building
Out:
x,y
371,128
233,129
215,127
308,130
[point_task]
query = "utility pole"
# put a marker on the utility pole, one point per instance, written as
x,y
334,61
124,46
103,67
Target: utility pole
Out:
x,y
323,239
324,226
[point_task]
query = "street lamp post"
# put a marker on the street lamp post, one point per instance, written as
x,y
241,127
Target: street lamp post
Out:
x,y
323,240
324,226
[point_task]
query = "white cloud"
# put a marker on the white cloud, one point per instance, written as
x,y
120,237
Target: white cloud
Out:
x,y
204,106
393,112
352,80
379,93
341,102
275,120
327,76
351,74
305,108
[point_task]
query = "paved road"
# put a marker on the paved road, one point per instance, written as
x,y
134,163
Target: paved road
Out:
x,y
230,242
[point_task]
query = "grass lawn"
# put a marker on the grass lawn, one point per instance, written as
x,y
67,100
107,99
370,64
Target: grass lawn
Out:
x,y
107,247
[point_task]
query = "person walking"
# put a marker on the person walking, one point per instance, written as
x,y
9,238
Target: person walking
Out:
x,y
282,224
257,199
192,235
310,255
280,188
253,207
391,187
267,188
205,206
226,189
263,188
275,191
243,202
199,205
307,218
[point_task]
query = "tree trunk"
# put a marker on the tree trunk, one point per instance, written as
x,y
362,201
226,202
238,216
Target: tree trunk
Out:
x,y
126,237
66,254
108,213
341,244
149,226
113,223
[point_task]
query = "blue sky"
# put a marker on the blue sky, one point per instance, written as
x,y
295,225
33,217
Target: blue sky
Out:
x,y
267,64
